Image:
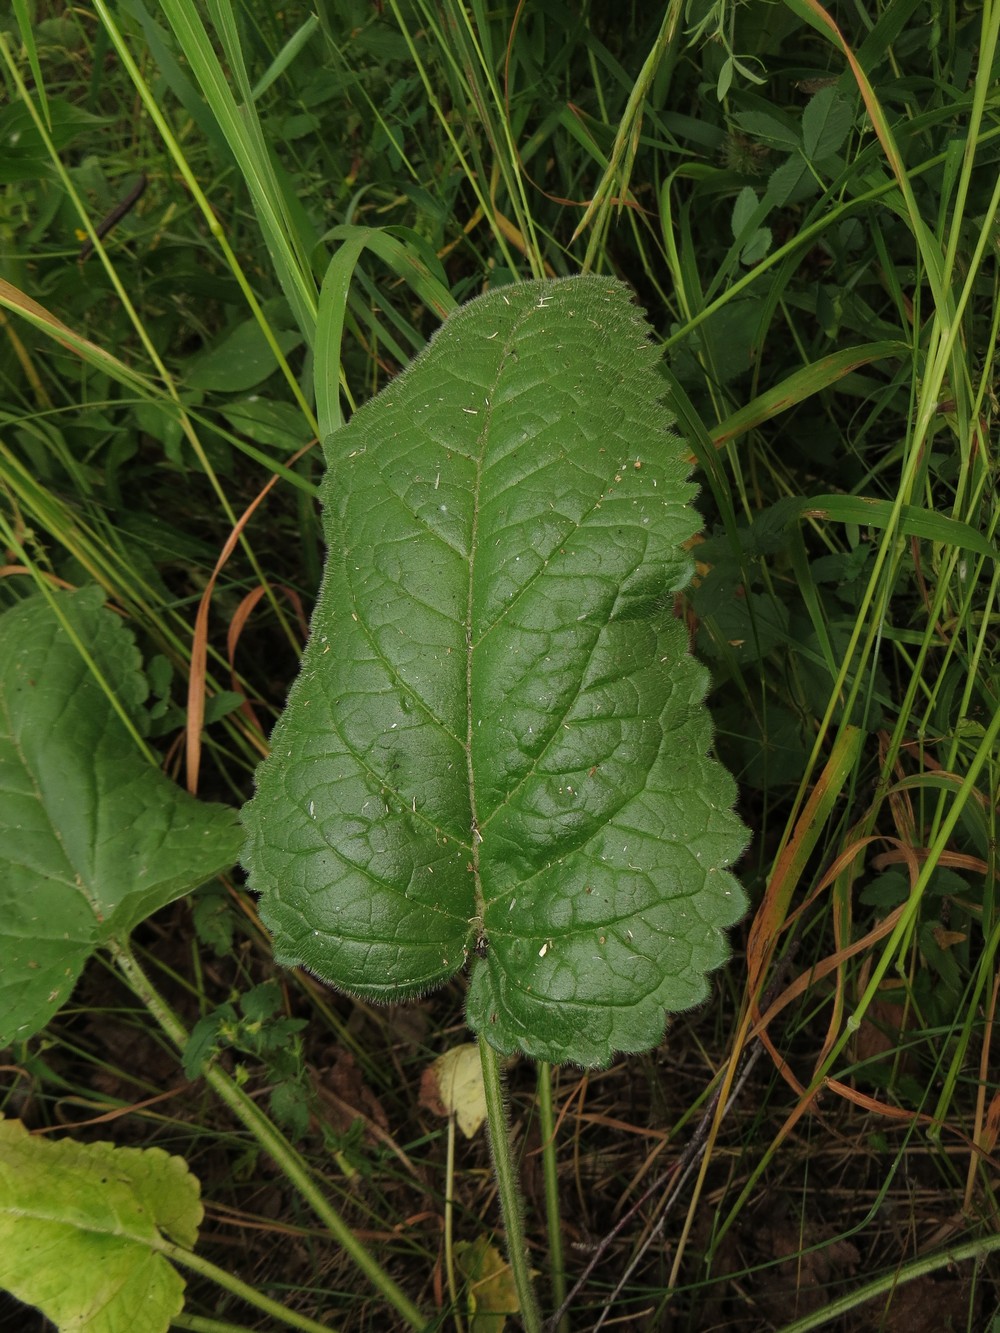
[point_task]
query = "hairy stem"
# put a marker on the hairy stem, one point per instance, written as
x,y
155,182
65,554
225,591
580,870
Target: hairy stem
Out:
x,y
268,1136
511,1202
551,1173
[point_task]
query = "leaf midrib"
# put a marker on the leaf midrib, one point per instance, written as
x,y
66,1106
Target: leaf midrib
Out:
x,y
470,647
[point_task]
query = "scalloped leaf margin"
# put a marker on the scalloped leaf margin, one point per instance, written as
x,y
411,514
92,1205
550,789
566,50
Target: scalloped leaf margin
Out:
x,y
80,1225
496,748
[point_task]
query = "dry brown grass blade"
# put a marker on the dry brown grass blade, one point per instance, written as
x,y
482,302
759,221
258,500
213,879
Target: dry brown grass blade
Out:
x,y
902,1115
6,571
199,642
987,1122
769,918
236,626
767,926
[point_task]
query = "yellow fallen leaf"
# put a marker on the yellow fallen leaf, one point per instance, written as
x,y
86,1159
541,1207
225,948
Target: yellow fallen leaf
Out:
x,y
453,1085
492,1295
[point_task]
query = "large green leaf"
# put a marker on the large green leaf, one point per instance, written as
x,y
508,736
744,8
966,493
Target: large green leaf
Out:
x,y
92,838
496,748
80,1225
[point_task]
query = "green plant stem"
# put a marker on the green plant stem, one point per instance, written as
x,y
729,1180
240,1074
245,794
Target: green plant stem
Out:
x,y
268,1136
979,1250
511,1202
205,1268
449,1220
551,1174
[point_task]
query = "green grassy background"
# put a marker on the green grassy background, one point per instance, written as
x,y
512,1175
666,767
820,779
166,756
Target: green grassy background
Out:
x,y
805,202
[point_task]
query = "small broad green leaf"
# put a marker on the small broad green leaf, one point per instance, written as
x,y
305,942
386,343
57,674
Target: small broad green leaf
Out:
x,y
744,208
220,705
162,422
261,1002
26,155
214,919
748,624
754,242
756,247
725,79
266,421
289,1102
206,1039
93,839
775,129
242,360
495,751
826,122
80,1229
886,891
730,336
791,182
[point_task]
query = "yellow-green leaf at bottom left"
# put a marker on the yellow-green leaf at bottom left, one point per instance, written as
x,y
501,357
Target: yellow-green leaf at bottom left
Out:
x,y
80,1229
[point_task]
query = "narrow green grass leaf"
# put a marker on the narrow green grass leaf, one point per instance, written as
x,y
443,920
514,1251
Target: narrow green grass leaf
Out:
x,y
11,298
405,262
796,849
913,521
803,384
286,56
175,78
26,28
238,122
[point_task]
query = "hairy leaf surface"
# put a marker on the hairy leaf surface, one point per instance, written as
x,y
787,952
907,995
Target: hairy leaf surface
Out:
x,y
496,748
